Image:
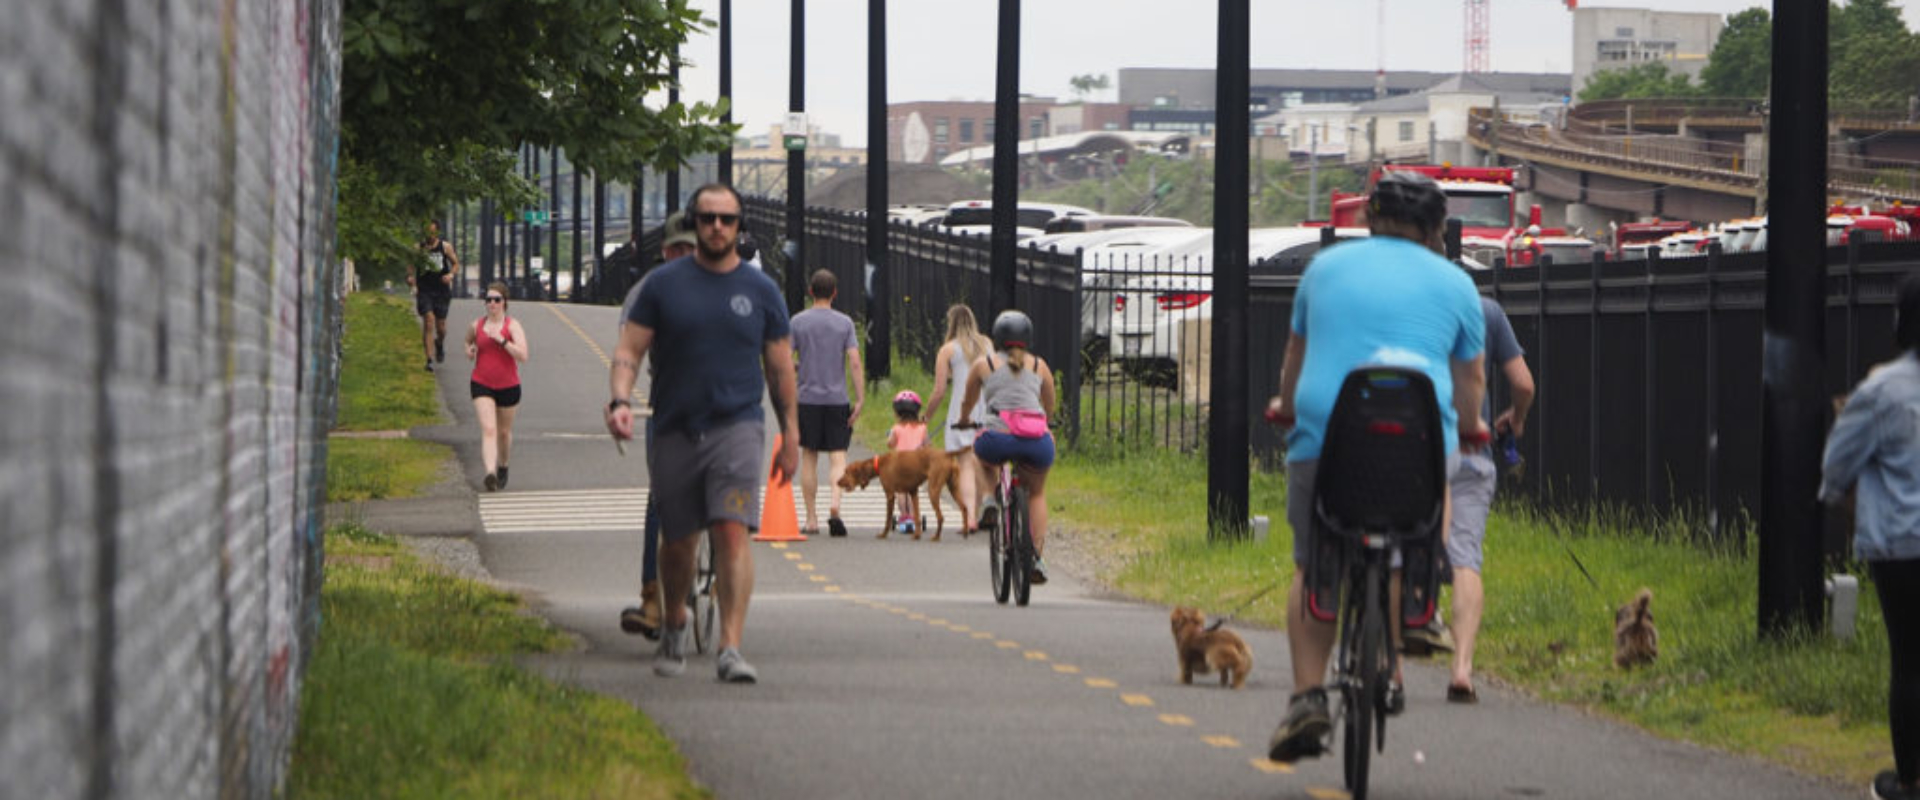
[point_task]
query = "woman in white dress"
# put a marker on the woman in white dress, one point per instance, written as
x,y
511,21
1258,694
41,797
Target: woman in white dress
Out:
x,y
964,345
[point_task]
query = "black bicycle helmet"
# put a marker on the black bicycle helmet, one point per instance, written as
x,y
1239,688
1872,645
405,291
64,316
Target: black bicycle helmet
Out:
x,y
1408,197
1012,329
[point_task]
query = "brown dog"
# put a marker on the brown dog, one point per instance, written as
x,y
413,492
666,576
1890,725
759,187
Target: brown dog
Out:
x,y
905,472
1205,651
1635,640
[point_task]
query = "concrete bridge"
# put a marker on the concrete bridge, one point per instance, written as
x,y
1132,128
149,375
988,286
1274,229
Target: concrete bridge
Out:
x,y
1701,160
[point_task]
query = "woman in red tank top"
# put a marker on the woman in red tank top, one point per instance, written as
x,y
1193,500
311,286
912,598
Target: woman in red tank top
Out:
x,y
496,344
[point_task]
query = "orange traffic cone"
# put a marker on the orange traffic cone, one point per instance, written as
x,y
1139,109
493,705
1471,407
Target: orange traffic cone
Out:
x,y
778,520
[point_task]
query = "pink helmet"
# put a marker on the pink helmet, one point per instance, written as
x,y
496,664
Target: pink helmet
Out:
x,y
906,403
907,396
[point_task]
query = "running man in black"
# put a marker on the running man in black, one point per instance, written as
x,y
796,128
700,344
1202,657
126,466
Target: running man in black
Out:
x,y
432,282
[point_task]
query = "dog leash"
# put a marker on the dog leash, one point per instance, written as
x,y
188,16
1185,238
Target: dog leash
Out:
x,y
1570,554
1243,606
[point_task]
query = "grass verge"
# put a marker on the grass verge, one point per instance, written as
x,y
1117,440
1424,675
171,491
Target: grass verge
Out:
x,y
410,694
381,469
1813,704
382,386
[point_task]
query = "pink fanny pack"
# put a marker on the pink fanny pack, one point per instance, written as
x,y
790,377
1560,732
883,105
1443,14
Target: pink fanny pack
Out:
x,y
1025,424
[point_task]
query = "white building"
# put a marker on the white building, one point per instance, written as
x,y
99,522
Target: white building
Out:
x,y
1428,125
1619,38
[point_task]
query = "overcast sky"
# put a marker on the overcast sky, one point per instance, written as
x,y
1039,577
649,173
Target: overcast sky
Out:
x,y
944,49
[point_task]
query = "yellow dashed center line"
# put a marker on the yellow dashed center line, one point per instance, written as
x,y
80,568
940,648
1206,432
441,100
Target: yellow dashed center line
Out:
x,y
1101,683
1323,793
1277,768
916,616
1066,669
1140,700
982,635
790,556
639,399
1178,720
959,628
1219,740
1007,644
831,590
818,578
1036,655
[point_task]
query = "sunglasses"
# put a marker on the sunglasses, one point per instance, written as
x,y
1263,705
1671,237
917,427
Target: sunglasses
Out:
x,y
706,218
494,298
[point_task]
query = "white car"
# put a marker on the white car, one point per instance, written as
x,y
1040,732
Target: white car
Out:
x,y
1107,258
975,217
1150,311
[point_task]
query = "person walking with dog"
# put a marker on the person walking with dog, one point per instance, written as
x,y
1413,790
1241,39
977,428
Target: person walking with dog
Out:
x,y
1011,391
497,346
951,366
432,283
676,241
1472,486
908,434
720,340
1390,298
828,350
1874,450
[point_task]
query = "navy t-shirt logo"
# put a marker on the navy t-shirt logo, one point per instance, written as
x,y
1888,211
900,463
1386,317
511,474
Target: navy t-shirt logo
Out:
x,y
741,305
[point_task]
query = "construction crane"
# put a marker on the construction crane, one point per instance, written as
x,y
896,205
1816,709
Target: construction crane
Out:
x,y
1478,40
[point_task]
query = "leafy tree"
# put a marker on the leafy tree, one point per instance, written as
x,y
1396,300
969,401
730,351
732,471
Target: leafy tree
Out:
x,y
1084,85
1650,79
1742,60
436,95
1873,59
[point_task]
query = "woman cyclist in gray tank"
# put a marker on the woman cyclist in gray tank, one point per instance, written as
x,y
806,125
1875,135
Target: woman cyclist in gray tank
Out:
x,y
1011,394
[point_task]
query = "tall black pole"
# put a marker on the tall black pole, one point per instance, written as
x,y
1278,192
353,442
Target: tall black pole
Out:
x,y
1006,159
486,243
880,298
524,263
1793,368
673,99
796,249
553,226
573,294
599,236
726,88
637,205
1227,423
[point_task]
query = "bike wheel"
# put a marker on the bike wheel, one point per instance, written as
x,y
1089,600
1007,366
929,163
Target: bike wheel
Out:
x,y
1000,560
1367,690
1022,542
700,603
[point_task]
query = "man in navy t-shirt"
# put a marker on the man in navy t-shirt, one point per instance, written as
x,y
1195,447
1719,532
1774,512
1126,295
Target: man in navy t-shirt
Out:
x,y
719,337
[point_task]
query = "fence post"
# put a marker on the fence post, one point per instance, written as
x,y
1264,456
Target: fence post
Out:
x,y
1713,395
1074,363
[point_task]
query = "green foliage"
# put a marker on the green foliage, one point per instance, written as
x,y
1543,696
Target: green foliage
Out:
x,y
1084,85
1651,79
382,469
437,95
1183,188
1742,58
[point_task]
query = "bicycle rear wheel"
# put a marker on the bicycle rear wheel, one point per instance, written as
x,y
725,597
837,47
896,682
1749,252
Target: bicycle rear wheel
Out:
x,y
700,599
1365,692
1000,559
1022,542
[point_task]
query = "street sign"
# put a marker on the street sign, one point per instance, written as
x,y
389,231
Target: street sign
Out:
x,y
793,131
537,217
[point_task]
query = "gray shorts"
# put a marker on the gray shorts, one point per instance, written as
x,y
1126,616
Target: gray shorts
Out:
x,y
1300,482
703,478
1472,486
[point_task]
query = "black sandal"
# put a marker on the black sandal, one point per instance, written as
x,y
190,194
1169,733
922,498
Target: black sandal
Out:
x,y
1462,694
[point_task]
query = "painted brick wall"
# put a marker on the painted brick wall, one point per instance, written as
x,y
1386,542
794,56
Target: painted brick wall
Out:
x,y
167,365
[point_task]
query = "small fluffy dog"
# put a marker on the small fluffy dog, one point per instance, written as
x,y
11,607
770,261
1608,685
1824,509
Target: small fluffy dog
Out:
x,y
905,472
1203,651
1635,640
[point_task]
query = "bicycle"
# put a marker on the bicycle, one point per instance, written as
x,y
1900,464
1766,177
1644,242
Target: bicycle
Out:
x,y
701,608
1010,552
1379,487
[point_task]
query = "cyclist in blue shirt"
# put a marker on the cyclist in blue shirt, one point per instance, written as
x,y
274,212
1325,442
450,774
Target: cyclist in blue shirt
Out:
x,y
1389,299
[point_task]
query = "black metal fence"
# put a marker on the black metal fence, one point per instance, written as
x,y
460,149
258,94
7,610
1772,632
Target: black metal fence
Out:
x,y
1649,373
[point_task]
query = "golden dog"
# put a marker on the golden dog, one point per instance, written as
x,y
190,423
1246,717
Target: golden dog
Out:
x,y
1635,640
905,472
1203,651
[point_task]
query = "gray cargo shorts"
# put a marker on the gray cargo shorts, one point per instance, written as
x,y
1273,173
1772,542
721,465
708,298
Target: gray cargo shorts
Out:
x,y
699,479
1473,485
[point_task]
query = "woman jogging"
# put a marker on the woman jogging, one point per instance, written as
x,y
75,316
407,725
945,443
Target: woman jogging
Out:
x,y
496,344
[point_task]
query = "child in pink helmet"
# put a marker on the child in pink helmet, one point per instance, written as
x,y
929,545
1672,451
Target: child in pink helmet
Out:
x,y
908,433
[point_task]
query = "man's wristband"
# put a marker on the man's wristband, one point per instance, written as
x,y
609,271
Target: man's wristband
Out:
x,y
616,403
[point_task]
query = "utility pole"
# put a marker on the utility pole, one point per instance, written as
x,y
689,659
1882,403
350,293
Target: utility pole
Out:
x,y
1313,169
553,227
726,88
1793,403
1228,468
573,294
673,99
796,249
879,281
1006,160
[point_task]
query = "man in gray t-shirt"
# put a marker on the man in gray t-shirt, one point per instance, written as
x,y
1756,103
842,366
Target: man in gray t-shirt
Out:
x,y
827,349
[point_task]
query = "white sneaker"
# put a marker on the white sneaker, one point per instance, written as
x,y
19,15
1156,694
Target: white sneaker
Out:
x,y
671,658
733,667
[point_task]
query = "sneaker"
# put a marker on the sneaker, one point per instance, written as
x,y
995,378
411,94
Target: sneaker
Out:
x,y
1038,575
835,527
503,476
1886,786
733,667
1432,638
1396,699
1303,731
671,658
492,482
429,365
989,513
644,619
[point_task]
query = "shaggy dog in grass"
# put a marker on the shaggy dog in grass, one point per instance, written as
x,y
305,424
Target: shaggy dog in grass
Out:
x,y
1204,651
1635,640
